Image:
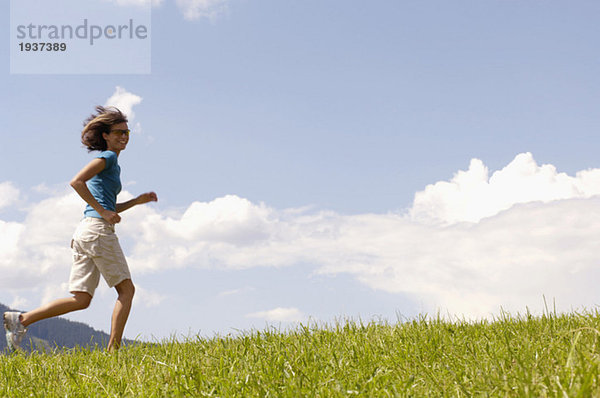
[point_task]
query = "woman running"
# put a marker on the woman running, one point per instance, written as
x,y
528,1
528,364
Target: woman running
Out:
x,y
95,246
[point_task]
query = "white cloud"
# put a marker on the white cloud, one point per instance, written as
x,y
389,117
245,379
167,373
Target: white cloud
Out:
x,y
10,235
279,314
510,260
147,298
191,9
54,291
19,303
9,194
36,251
137,128
526,247
472,195
533,233
124,101
196,9
202,235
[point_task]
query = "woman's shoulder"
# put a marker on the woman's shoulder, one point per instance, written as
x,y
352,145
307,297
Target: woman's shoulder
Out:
x,y
109,156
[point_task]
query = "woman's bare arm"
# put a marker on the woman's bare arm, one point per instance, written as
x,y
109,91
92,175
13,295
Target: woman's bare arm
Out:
x,y
79,185
140,200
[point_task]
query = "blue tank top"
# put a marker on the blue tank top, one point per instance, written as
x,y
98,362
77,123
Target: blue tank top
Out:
x,y
105,185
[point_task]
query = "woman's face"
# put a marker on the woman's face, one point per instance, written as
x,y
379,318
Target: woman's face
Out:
x,y
118,137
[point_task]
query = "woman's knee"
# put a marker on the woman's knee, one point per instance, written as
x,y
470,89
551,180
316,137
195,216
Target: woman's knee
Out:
x,y
82,299
126,289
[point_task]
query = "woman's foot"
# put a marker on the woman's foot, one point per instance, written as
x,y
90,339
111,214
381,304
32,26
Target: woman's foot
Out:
x,y
15,331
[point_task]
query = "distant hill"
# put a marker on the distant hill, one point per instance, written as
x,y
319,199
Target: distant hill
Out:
x,y
57,332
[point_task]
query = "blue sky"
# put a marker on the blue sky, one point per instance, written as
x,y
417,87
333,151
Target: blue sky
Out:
x,y
316,157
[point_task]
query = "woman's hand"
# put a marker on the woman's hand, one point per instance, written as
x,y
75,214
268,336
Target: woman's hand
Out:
x,y
146,197
111,216
139,200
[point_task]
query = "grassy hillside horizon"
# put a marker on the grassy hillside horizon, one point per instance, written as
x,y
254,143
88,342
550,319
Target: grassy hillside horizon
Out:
x,y
523,355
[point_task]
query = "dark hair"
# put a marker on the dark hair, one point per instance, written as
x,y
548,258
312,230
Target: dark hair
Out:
x,y
98,123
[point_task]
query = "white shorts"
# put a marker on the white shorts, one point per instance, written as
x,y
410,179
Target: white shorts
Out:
x,y
96,251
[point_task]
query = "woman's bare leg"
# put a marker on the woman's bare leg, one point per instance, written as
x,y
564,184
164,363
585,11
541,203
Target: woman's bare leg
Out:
x,y
126,290
79,301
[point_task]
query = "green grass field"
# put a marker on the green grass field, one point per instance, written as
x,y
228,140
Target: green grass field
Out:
x,y
551,355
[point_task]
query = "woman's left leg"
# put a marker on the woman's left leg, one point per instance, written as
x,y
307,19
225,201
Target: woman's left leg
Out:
x,y
79,301
126,290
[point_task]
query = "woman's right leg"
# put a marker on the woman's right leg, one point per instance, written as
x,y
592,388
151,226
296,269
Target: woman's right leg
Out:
x,y
79,301
126,290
